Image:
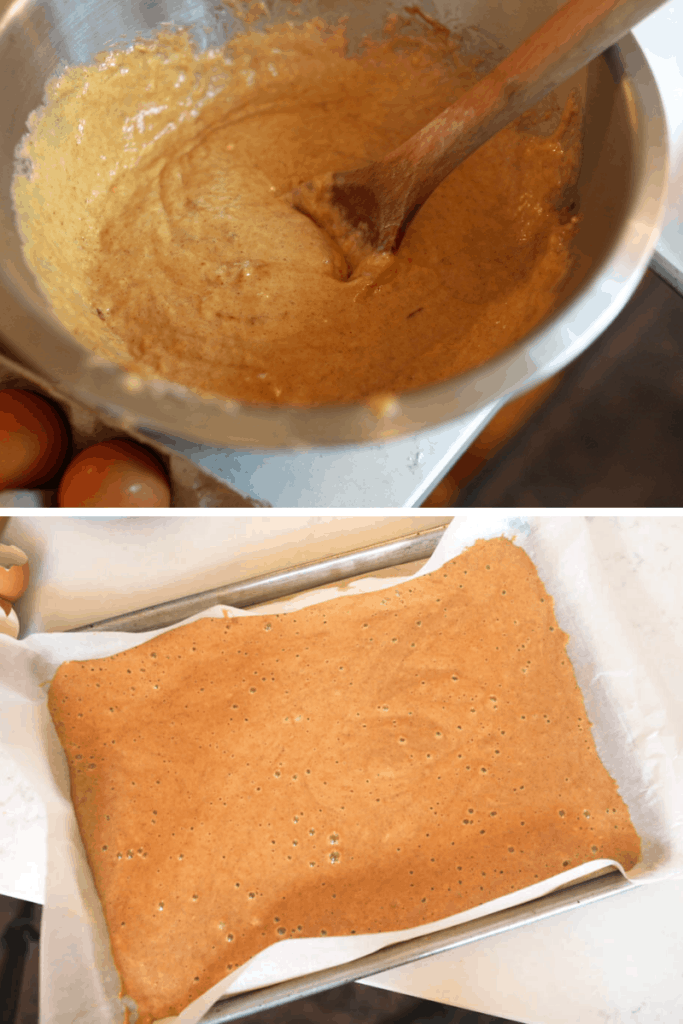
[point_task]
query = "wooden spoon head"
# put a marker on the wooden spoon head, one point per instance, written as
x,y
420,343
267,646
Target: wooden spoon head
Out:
x,y
348,207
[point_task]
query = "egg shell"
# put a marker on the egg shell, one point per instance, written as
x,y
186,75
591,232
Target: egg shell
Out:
x,y
114,474
13,582
9,623
34,439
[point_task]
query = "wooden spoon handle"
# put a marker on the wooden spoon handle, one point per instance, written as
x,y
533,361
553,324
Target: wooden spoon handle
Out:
x,y
569,40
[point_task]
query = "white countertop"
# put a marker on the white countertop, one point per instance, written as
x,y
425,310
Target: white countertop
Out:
x,y
617,961
661,37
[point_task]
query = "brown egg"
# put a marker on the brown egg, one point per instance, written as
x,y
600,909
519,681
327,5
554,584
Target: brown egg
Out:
x,y
114,474
14,572
33,439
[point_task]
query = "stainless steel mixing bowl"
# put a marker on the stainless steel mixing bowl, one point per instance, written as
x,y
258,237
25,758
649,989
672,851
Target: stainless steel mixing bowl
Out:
x,y
621,188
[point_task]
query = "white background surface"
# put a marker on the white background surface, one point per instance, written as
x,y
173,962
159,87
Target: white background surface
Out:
x,y
661,37
618,961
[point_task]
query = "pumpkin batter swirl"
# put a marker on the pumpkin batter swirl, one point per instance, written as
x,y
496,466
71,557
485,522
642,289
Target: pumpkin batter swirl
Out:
x,y
157,219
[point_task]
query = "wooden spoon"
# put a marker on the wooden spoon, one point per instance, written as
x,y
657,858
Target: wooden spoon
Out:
x,y
366,211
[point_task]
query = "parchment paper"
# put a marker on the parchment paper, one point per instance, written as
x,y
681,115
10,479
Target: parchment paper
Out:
x,y
618,592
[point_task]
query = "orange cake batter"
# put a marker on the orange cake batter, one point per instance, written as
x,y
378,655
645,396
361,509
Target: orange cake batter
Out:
x,y
367,764
155,212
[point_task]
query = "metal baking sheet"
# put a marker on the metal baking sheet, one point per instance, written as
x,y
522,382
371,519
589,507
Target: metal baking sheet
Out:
x,y
269,587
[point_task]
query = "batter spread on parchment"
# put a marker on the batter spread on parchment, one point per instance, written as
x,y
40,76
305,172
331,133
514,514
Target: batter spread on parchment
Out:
x,y
367,764
155,215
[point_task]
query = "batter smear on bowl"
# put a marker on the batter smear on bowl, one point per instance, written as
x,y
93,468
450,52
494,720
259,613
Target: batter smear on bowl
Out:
x,y
367,764
154,208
